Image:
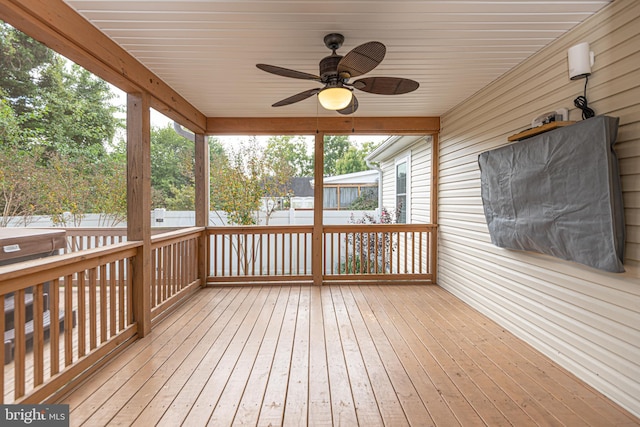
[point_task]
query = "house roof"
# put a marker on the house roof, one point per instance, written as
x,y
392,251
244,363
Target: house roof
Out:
x,y
392,146
299,187
364,177
207,50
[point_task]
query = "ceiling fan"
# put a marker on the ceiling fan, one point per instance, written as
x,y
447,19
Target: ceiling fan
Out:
x,y
335,73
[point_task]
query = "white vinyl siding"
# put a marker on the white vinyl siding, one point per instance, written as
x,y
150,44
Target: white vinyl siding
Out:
x,y
586,320
421,181
388,186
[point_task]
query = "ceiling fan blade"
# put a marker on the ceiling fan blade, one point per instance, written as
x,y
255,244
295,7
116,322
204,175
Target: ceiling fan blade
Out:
x,y
386,85
351,108
362,59
285,72
297,97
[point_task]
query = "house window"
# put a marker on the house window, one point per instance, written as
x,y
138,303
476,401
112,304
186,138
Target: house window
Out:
x,y
401,192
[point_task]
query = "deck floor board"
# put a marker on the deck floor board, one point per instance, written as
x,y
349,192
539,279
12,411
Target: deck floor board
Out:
x,y
335,355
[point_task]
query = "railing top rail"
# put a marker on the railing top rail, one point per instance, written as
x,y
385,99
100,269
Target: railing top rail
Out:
x,y
108,231
95,231
264,229
13,276
175,235
342,228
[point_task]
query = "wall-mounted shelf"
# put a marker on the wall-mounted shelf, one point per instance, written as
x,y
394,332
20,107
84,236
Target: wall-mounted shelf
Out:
x,y
537,130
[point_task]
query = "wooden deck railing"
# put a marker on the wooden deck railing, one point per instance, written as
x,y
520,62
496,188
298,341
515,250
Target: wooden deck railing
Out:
x,y
62,314
381,252
83,238
259,253
174,266
350,253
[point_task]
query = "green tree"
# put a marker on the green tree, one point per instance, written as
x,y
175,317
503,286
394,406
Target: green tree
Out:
x,y
9,127
22,59
236,184
109,183
20,191
334,148
353,159
56,104
290,150
247,179
75,114
67,192
172,169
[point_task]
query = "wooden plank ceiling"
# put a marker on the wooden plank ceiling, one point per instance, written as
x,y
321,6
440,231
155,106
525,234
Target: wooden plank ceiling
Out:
x,y
207,50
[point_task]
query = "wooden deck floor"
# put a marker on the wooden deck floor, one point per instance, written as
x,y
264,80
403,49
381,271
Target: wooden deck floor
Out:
x,y
336,355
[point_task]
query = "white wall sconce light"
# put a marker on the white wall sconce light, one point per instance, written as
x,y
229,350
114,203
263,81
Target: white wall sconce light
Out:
x,y
580,61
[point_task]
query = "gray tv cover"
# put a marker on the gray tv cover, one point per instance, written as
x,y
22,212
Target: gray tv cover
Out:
x,y
558,193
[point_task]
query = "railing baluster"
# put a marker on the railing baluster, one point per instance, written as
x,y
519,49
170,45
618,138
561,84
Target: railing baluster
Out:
x,y
231,237
37,339
54,327
254,254
406,255
361,237
154,277
122,293
214,269
268,253
68,326
339,257
290,254
112,300
82,315
103,303
19,343
93,315
129,288
260,253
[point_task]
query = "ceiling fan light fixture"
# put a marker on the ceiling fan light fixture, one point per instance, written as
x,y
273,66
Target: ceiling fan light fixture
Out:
x,y
335,98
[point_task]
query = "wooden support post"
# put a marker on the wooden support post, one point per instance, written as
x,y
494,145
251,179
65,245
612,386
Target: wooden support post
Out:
x,y
318,175
202,202
139,205
433,216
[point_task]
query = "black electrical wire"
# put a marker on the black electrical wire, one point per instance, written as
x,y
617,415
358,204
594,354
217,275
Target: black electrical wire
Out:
x,y
581,103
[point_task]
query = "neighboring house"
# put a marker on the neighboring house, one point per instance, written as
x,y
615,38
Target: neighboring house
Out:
x,y
340,191
300,196
404,164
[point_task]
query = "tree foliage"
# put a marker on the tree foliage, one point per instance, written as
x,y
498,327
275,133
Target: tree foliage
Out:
x,y
291,151
335,147
249,179
353,160
20,190
236,184
56,126
172,169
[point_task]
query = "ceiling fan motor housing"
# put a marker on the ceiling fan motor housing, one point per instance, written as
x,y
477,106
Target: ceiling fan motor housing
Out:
x,y
329,67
